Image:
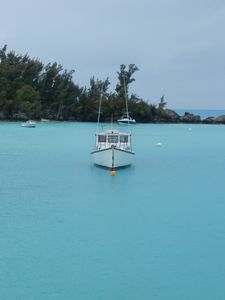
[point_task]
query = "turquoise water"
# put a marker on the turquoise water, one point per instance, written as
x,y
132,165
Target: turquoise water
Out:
x,y
203,113
68,230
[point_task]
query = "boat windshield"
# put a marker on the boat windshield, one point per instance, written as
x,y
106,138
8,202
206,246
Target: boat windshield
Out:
x,y
124,139
102,138
113,139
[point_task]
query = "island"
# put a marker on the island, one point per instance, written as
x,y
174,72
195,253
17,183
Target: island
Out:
x,y
31,90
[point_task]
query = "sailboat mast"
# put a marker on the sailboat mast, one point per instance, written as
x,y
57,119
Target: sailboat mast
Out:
x,y
126,100
99,110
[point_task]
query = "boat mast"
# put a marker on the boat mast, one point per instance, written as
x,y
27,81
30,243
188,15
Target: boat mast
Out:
x,y
99,110
126,101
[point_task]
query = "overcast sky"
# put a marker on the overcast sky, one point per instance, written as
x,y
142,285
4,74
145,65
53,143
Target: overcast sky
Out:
x,y
178,45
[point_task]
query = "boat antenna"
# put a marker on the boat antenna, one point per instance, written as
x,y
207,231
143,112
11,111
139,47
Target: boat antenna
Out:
x,y
126,101
99,109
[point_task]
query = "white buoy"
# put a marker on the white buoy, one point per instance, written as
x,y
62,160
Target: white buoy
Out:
x,y
158,144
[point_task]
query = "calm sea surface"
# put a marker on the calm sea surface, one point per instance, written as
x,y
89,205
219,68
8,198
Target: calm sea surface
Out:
x,y
68,230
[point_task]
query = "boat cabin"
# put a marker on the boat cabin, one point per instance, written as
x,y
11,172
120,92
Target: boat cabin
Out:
x,y
114,138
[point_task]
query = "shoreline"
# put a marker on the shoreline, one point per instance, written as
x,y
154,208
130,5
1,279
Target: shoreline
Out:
x,y
186,119
165,116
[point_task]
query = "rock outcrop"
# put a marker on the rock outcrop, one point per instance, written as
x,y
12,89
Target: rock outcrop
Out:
x,y
190,118
220,119
209,120
214,120
172,115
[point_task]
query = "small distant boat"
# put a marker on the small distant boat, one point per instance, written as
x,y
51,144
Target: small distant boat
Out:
x,y
126,120
29,124
45,120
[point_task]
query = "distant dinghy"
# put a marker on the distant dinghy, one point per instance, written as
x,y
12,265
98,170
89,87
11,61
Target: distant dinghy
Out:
x,y
29,124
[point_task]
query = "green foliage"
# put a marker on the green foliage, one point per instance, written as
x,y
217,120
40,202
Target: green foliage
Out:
x,y
28,101
162,103
125,78
29,88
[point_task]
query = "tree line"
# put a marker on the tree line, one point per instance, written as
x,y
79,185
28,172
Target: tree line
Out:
x,y
30,89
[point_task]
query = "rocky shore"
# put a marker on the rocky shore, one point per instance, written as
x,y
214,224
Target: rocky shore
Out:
x,y
167,116
171,116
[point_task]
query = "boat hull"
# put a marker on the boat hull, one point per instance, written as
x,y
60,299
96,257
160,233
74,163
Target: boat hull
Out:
x,y
112,157
126,122
29,125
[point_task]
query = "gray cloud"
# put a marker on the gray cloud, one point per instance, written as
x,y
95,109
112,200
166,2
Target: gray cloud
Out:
x,y
178,45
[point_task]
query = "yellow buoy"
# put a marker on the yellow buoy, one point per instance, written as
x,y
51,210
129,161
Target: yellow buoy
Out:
x,y
113,173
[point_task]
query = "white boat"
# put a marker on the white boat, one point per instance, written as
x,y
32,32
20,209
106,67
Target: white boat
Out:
x,y
126,120
113,149
29,124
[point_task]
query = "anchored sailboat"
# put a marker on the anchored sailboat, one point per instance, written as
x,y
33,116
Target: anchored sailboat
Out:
x,y
113,149
126,120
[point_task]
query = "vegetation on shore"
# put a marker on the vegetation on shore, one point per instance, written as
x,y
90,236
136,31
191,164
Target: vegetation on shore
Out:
x,y
30,89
